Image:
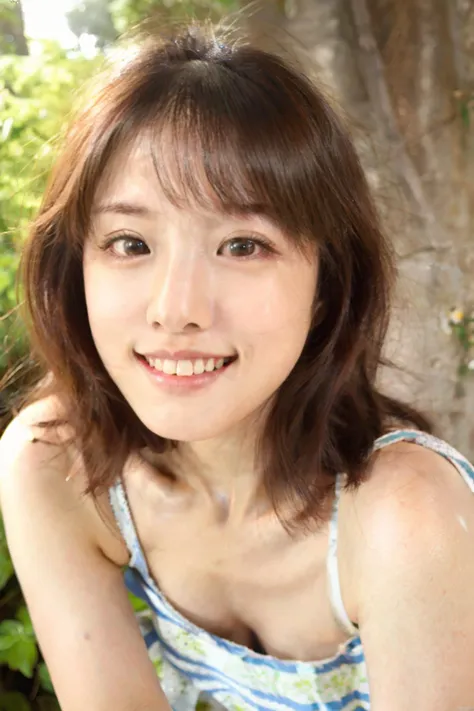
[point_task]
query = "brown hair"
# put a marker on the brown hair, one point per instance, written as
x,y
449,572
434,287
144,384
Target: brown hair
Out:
x,y
219,104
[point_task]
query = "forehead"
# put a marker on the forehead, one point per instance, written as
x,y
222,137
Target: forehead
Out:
x,y
162,181
130,173
168,172
130,185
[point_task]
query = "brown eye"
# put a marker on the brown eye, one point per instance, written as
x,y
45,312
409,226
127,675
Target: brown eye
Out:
x,y
242,247
127,247
247,247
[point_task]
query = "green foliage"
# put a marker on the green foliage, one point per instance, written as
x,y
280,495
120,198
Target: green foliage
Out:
x,y
137,604
17,644
92,17
6,566
107,19
465,105
35,100
461,324
127,14
36,95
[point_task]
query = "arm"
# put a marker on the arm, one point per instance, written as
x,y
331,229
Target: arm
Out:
x,y
415,598
74,590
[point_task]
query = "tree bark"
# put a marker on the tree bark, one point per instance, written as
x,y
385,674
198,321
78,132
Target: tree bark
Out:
x,y
12,30
403,72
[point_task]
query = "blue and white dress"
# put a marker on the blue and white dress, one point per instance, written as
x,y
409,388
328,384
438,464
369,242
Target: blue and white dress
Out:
x,y
198,669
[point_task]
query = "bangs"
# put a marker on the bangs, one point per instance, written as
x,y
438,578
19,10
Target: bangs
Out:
x,y
219,142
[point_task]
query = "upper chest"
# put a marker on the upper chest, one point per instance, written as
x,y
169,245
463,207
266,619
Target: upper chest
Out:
x,y
241,581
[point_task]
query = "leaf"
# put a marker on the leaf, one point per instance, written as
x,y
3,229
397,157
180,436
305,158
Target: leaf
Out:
x,y
6,565
137,604
44,678
10,632
18,648
24,617
22,657
6,570
47,703
14,701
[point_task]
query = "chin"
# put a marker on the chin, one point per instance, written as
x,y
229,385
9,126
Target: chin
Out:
x,y
185,432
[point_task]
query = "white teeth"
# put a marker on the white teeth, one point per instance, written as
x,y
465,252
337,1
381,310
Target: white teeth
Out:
x,y
169,367
183,368
198,366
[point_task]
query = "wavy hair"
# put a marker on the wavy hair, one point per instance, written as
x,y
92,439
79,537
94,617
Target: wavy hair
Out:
x,y
266,140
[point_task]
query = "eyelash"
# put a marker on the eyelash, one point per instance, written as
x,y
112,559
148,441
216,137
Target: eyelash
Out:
x,y
125,236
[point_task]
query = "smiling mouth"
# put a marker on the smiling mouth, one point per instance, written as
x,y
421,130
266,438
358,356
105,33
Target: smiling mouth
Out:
x,y
186,368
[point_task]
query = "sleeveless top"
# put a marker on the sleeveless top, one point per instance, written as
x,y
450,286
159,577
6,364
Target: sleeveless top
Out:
x,y
199,670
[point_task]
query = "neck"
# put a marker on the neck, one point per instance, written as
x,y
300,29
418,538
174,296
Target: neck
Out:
x,y
225,472
222,471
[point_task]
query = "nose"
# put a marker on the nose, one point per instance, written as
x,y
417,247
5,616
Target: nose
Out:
x,y
182,294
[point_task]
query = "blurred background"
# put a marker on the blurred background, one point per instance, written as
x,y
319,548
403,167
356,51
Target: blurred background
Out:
x,y
402,74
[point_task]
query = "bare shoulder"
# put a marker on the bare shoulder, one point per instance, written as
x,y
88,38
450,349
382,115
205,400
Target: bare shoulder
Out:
x,y
414,510
410,528
68,559
411,485
44,462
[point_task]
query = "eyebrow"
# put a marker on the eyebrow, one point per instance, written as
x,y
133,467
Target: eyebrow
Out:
x,y
120,207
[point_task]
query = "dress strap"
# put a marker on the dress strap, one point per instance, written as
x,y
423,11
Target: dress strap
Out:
x,y
334,585
123,516
464,467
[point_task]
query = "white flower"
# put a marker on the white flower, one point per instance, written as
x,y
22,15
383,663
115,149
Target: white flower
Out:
x,y
456,316
470,365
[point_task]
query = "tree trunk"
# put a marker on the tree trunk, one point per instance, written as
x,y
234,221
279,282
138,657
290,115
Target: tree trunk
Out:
x,y
12,29
403,72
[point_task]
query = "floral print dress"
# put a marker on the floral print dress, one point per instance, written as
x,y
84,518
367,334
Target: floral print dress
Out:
x,y
199,670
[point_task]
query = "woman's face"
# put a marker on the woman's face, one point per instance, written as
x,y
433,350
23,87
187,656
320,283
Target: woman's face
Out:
x,y
158,278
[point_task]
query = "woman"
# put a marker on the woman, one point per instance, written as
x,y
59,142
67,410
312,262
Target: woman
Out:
x,y
209,417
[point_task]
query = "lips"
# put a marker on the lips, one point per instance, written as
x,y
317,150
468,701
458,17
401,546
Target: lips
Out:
x,y
184,376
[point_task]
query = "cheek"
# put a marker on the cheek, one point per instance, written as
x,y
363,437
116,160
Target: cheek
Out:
x,y
111,305
281,304
271,319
